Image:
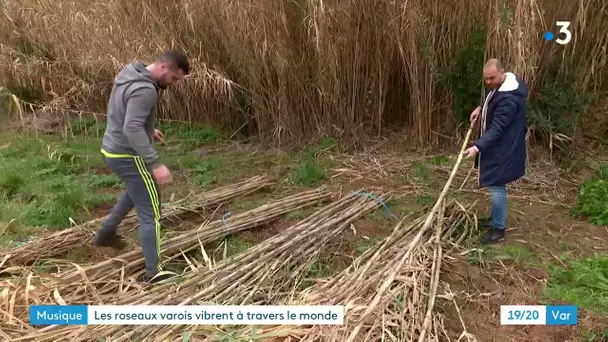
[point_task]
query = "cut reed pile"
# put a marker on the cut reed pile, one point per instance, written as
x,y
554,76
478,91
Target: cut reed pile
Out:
x,y
389,292
265,274
100,283
63,241
392,295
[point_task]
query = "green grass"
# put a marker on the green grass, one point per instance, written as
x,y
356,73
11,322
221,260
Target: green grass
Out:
x,y
593,336
319,268
301,214
309,173
420,173
440,160
285,158
228,248
581,282
236,244
210,171
364,245
79,254
242,204
310,167
45,182
592,199
565,246
396,206
190,136
518,254
206,171
325,145
584,282
377,215
427,199
509,254
87,127
100,181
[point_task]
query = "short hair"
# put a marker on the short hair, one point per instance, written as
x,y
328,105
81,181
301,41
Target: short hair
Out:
x,y
175,58
494,62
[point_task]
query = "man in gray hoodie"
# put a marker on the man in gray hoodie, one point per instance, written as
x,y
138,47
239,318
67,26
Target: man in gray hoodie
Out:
x,y
128,150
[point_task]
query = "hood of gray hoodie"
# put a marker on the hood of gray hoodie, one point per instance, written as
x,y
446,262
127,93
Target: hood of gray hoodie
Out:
x,y
132,134
135,72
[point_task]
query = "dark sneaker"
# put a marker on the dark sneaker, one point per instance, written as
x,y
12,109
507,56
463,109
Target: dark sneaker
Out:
x,y
109,240
493,235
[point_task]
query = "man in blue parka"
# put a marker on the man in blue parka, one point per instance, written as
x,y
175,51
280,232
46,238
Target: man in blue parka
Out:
x,y
501,147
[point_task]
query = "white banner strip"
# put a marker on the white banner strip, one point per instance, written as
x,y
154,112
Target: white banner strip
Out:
x,y
212,315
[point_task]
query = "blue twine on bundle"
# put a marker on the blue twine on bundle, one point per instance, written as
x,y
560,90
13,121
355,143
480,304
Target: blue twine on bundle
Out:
x,y
369,195
379,200
226,216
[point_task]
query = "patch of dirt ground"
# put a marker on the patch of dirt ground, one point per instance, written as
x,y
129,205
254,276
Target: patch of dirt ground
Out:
x,y
547,232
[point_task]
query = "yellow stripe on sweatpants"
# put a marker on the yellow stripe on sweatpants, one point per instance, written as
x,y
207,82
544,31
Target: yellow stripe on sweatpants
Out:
x,y
114,155
152,191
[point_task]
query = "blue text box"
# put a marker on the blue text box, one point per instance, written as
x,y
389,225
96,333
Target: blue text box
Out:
x,y
562,314
58,315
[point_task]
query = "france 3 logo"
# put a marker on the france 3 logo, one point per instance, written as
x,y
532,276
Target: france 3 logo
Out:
x,y
564,30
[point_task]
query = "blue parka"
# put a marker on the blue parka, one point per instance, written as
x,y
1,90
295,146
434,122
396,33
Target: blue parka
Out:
x,y
502,144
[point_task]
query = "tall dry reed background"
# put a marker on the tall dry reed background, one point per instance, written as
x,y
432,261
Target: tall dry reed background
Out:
x,y
293,70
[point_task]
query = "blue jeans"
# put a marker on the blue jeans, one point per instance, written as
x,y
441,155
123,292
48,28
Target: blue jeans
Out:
x,y
498,195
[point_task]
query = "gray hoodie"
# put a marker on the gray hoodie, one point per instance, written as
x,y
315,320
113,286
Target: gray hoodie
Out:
x,y
132,113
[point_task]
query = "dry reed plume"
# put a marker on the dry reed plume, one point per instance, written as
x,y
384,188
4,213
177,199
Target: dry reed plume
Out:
x,y
292,70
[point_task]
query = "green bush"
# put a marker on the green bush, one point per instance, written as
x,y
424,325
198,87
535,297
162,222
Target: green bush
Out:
x,y
592,199
309,173
557,108
464,76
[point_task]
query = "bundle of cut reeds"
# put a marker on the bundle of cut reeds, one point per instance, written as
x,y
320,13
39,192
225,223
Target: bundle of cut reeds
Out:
x,y
401,307
392,295
389,291
207,232
267,273
105,282
62,242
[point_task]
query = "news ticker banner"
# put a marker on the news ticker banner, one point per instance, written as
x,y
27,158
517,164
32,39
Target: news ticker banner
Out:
x,y
538,315
186,314
256,315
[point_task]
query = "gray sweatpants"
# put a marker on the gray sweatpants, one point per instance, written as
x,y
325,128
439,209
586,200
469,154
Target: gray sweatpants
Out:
x,y
141,193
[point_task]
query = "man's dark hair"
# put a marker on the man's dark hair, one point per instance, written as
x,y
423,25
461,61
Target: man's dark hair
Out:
x,y
175,58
